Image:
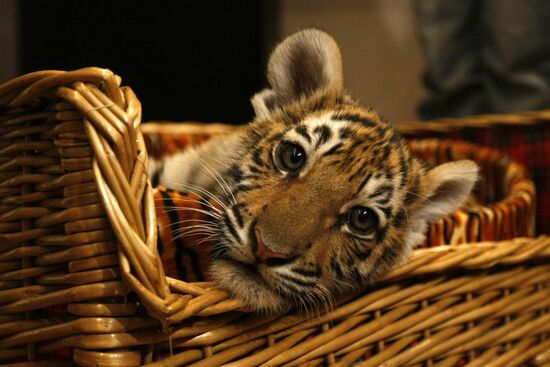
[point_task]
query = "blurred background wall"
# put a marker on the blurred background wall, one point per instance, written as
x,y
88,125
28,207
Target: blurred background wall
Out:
x,y
202,60
380,48
9,42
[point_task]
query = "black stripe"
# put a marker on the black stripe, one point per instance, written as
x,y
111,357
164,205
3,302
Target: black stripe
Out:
x,y
181,245
382,130
384,201
220,247
235,173
410,197
275,137
194,257
205,205
389,254
363,183
297,281
333,150
275,261
309,273
354,117
302,130
386,211
400,218
447,233
320,103
324,134
364,255
385,189
255,169
338,162
231,228
361,253
254,138
237,214
245,188
381,234
336,268
251,177
357,276
173,216
387,151
292,117
256,157
383,194
155,178
160,245
359,172
345,132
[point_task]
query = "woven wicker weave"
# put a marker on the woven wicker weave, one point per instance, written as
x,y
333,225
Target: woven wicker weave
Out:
x,y
81,280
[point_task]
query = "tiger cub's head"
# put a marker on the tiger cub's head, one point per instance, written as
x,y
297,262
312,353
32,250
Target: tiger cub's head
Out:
x,y
328,196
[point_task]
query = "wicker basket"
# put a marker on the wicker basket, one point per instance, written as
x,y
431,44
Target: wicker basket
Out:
x,y
525,137
81,281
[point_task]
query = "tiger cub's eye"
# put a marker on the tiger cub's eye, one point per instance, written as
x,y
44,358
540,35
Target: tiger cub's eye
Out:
x,y
291,156
361,219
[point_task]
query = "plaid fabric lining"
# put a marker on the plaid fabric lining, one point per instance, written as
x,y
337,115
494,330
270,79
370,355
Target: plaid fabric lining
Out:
x,y
505,194
528,145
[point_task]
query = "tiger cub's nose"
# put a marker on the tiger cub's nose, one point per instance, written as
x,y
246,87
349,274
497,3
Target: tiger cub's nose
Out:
x,y
265,255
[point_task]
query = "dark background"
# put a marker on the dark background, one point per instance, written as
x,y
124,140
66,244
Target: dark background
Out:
x,y
185,60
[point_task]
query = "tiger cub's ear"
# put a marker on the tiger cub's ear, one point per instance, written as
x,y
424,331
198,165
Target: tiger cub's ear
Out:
x,y
446,188
302,64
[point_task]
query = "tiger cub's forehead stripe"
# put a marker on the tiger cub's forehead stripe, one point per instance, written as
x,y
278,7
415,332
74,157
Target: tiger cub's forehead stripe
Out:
x,y
302,130
375,185
347,132
334,150
354,117
324,134
321,133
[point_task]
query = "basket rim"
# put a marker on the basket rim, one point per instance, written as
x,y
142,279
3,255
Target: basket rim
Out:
x,y
449,124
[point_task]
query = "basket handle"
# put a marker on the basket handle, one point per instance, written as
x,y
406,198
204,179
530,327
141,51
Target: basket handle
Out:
x,y
111,121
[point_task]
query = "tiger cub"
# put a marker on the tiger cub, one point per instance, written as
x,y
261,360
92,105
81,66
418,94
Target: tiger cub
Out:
x,y
318,194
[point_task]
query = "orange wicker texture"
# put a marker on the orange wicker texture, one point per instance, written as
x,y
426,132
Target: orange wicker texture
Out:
x,y
81,281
